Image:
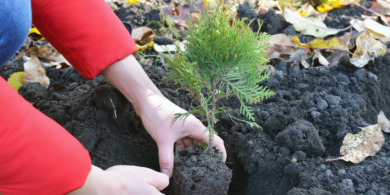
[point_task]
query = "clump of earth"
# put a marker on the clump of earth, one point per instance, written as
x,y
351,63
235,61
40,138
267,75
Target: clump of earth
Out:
x,y
303,124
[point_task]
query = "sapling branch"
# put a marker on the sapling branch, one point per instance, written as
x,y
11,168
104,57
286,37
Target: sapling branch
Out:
x,y
218,43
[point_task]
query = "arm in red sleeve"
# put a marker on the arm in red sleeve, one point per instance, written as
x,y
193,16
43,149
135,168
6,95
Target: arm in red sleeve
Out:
x,y
37,155
86,32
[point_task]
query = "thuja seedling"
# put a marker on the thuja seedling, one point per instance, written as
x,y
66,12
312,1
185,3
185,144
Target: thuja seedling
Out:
x,y
223,58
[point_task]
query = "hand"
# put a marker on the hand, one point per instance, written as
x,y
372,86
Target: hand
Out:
x,y
157,112
123,180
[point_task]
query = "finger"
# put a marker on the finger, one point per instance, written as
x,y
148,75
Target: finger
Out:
x,y
195,131
165,155
158,180
180,146
218,142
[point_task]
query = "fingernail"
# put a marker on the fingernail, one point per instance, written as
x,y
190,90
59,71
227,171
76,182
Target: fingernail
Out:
x,y
166,172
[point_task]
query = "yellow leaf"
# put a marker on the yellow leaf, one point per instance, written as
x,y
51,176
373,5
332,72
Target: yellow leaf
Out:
x,y
144,47
16,80
34,30
131,2
359,146
306,10
326,8
333,43
366,44
328,5
309,26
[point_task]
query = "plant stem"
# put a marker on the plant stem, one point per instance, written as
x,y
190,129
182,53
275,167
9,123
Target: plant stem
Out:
x,y
213,107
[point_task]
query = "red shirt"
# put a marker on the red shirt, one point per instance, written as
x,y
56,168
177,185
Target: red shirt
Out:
x,y
37,155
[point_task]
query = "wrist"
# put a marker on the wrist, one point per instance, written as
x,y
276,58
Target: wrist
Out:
x,y
128,77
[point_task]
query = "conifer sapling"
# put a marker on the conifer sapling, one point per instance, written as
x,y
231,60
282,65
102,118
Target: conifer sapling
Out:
x,y
223,58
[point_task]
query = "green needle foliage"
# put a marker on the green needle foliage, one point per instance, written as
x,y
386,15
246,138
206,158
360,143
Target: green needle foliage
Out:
x,y
223,58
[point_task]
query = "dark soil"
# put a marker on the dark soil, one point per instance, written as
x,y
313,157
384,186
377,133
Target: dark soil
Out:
x,y
197,173
303,124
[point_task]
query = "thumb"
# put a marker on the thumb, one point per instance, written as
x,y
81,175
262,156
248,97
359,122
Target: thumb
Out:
x,y
165,155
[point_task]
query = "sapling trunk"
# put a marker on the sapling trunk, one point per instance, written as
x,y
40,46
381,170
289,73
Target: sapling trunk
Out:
x,y
213,107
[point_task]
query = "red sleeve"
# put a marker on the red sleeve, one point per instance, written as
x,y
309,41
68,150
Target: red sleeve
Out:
x,y
37,155
87,32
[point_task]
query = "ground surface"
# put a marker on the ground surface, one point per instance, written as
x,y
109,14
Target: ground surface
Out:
x,y
303,124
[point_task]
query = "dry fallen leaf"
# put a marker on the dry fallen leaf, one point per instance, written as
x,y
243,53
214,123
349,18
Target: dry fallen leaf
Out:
x,y
309,26
266,5
328,5
169,48
33,72
279,45
142,35
306,10
16,80
383,7
333,43
383,120
146,62
367,48
46,52
318,57
359,146
299,58
335,56
378,28
374,9
358,25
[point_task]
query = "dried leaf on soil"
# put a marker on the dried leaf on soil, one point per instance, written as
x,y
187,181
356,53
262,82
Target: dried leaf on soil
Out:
x,y
378,28
143,35
374,9
169,48
46,52
359,146
358,25
278,46
33,72
266,5
309,26
383,120
306,10
367,48
318,57
335,56
333,43
299,58
328,5
383,7
16,80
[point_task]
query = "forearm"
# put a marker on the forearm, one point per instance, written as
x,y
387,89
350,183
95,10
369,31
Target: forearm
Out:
x,y
128,77
97,183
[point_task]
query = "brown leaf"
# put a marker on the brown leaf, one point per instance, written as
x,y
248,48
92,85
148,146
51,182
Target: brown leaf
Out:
x,y
33,72
383,120
277,47
46,52
143,35
357,147
335,56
